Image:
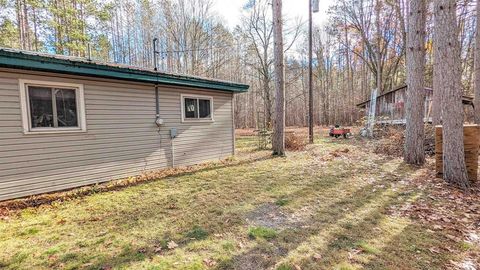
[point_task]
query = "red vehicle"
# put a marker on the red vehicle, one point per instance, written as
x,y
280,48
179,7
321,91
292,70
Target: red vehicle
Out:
x,y
337,131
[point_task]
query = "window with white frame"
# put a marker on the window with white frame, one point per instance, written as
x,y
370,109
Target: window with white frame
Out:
x,y
52,107
197,108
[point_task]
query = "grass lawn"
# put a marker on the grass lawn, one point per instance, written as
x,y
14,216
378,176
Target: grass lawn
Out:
x,y
334,206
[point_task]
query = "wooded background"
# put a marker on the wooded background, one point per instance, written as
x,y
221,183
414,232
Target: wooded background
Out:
x,y
362,45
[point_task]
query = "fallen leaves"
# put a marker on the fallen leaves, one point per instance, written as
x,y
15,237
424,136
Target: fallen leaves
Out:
x,y
444,209
172,245
317,257
209,262
157,249
353,253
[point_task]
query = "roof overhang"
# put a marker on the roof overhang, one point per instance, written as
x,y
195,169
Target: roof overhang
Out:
x,y
467,100
75,66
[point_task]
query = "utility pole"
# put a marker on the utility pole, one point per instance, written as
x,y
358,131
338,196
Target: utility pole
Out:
x,y
312,7
278,139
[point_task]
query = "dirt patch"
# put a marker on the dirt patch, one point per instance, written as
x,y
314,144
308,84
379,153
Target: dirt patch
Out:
x,y
273,216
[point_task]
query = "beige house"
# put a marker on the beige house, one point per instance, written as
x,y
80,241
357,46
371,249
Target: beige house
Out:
x,y
68,122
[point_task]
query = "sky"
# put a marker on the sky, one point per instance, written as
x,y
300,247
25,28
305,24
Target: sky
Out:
x,y
230,10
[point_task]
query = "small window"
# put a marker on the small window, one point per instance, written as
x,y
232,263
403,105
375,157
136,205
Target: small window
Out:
x,y
195,108
52,107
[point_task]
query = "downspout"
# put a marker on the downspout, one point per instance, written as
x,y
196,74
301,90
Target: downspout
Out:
x,y
158,120
157,105
155,67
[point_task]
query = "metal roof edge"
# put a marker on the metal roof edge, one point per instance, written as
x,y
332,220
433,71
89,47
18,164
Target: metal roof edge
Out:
x,y
18,60
465,99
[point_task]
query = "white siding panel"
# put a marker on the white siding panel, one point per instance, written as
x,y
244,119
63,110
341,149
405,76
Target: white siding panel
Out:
x,y
121,140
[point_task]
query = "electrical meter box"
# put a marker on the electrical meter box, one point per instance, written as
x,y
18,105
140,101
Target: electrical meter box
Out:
x,y
173,133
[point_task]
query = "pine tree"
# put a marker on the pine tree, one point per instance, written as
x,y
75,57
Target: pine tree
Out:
x,y
414,109
448,81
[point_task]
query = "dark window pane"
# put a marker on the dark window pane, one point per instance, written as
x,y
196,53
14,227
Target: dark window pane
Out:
x,y
66,107
204,108
191,108
41,112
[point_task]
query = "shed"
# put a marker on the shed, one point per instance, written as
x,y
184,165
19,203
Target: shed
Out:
x,y
67,122
390,106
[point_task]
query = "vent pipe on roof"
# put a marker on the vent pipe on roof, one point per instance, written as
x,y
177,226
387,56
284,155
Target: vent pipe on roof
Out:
x,y
89,52
155,53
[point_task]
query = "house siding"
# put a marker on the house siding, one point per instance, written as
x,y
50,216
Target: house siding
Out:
x,y
121,140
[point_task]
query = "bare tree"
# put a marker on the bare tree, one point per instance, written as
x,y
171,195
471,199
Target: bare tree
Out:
x,y
258,30
448,82
278,139
414,139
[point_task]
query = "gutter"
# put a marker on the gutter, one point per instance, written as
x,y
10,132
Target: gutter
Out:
x,y
17,60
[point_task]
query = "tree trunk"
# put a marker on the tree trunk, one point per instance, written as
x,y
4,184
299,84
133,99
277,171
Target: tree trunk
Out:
x,y
447,75
477,67
414,139
379,78
278,140
438,90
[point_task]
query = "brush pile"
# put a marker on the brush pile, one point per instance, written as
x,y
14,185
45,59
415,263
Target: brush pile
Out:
x,y
390,141
294,142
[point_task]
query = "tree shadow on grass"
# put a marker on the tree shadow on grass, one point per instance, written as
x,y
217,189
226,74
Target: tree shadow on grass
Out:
x,y
412,249
221,221
332,224
264,254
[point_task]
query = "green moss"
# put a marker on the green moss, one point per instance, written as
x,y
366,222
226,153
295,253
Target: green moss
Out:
x,y
53,250
367,248
68,257
282,202
284,267
228,246
197,233
30,231
262,232
465,246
